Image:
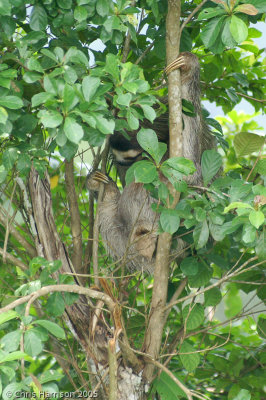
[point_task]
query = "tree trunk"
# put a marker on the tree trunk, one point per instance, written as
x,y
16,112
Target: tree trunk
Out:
x,y
79,316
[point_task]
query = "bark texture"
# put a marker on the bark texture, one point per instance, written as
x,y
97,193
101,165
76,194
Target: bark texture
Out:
x,y
80,315
157,316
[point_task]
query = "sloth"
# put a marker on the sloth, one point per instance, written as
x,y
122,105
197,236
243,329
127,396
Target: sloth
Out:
x,y
127,223
196,134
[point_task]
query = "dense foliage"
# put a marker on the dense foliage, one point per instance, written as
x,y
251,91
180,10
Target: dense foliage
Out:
x,y
74,71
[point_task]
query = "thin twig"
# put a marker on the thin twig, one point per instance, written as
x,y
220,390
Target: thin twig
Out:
x,y
126,48
191,15
255,163
218,283
104,156
13,260
146,51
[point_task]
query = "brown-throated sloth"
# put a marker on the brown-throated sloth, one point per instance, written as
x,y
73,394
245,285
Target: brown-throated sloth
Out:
x,y
196,134
127,223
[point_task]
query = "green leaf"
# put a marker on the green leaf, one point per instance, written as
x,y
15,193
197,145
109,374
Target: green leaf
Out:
x,y
31,77
49,54
167,388
12,102
259,4
51,327
32,344
11,341
5,7
34,65
189,361
69,97
201,234
256,218
73,130
90,85
188,108
145,171
68,150
7,316
112,66
133,122
38,18
148,140
226,36
189,266
202,278
260,167
124,99
149,112
70,75
76,56
50,376
238,29
16,355
193,315
10,156
51,119
232,95
102,7
261,247
106,126
212,297
55,304
3,173
41,98
211,31
236,204
80,13
66,4
132,87
181,164
211,162
208,13
261,328
246,143
232,301
243,394
24,164
249,233
50,85
3,115
170,221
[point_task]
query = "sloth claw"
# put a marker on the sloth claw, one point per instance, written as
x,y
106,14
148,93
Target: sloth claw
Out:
x,y
95,178
100,177
178,63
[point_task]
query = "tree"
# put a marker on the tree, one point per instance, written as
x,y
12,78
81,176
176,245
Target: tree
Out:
x,y
66,307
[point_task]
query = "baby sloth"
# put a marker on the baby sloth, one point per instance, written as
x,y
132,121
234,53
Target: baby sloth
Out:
x,y
127,223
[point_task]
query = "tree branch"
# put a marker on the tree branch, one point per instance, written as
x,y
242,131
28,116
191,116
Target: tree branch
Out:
x,y
218,283
15,233
30,298
112,369
146,51
126,48
191,15
74,217
153,334
13,260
